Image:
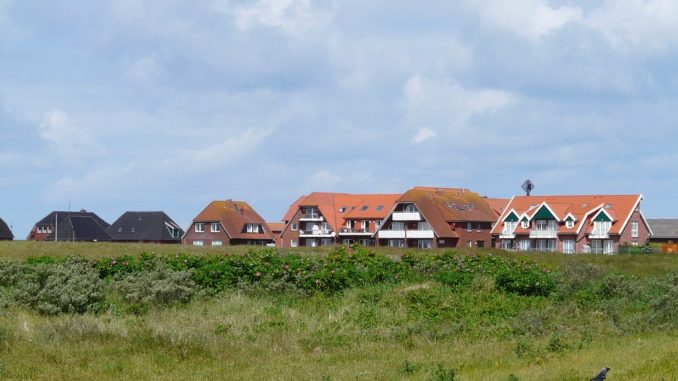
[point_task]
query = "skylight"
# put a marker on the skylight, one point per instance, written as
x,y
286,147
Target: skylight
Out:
x,y
364,208
379,207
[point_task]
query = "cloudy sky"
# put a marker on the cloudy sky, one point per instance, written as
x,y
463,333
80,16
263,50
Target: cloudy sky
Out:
x,y
166,105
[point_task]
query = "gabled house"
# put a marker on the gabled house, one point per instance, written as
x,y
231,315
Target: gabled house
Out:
x,y
276,230
70,226
5,232
228,223
572,224
145,227
426,217
323,219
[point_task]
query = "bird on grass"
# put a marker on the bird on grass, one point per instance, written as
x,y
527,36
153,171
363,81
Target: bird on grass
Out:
x,y
602,375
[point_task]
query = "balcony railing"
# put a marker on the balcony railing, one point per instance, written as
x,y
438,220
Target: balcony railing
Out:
x,y
311,217
355,231
598,234
316,233
406,216
507,234
543,234
391,234
420,234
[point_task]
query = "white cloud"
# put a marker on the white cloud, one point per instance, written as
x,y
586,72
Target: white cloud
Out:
x,y
324,179
423,135
291,16
64,136
447,104
145,68
530,19
231,149
637,23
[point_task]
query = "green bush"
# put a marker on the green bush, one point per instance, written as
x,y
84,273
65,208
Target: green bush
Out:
x,y
71,286
443,374
158,286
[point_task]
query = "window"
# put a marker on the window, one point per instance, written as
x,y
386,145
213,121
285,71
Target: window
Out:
x,y
217,243
364,208
377,223
379,207
601,228
569,224
634,229
469,244
478,228
469,227
506,244
294,226
423,226
252,228
525,224
425,244
480,244
568,247
197,243
120,229
200,228
509,227
294,243
397,225
366,242
410,208
342,209
525,245
608,247
215,227
396,243
365,225
311,213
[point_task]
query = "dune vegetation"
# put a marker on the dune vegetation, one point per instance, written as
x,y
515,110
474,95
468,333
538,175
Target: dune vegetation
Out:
x,y
103,311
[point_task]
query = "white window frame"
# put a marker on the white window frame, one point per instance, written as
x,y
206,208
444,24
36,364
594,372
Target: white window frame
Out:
x,y
198,243
251,229
199,227
396,243
365,225
525,224
410,208
215,227
398,225
469,227
608,246
294,243
294,226
525,245
425,244
569,224
469,244
568,246
217,243
479,227
634,229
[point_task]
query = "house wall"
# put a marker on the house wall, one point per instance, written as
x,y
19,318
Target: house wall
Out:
x,y
474,235
288,234
643,231
33,235
207,236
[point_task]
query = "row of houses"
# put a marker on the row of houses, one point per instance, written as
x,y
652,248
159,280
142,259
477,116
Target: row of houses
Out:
x,y
422,217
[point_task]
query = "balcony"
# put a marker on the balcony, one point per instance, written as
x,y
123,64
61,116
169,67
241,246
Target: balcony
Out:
x,y
406,216
420,234
311,217
316,233
347,231
599,235
543,234
507,234
391,234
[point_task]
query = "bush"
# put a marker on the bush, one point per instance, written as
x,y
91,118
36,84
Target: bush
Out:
x,y
443,374
159,286
72,286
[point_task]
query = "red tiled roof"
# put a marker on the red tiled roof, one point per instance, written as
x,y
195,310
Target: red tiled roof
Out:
x,y
234,215
354,206
582,207
443,208
498,205
276,226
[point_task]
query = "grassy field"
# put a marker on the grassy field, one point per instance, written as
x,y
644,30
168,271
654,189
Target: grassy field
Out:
x,y
417,329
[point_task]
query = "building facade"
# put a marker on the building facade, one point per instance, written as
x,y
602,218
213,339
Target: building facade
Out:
x,y
427,217
572,224
228,222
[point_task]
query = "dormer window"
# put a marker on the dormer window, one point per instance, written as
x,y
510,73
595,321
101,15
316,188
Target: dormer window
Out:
x,y
364,208
569,224
525,224
342,209
252,228
410,208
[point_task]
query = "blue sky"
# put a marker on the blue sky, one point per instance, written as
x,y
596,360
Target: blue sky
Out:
x,y
166,105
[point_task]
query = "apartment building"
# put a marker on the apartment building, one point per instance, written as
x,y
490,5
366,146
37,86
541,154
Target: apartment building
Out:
x,y
323,219
572,224
426,217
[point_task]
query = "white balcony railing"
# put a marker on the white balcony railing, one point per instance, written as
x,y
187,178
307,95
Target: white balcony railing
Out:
x,y
426,234
311,217
507,234
406,216
543,234
316,233
598,235
392,234
347,231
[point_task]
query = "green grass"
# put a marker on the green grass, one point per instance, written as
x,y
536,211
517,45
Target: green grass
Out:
x,y
384,331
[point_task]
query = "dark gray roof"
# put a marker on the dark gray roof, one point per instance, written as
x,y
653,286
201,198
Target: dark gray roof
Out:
x,y
79,227
145,226
60,215
663,227
5,232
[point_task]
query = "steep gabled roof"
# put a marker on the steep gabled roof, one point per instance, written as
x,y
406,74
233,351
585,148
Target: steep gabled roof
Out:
x,y
5,232
276,227
61,215
582,207
234,216
443,208
144,226
498,205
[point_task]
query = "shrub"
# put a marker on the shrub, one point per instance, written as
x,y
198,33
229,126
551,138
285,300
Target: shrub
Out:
x,y
72,286
159,286
443,374
525,280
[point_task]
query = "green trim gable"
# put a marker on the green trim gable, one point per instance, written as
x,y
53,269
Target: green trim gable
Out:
x,y
602,217
512,217
543,214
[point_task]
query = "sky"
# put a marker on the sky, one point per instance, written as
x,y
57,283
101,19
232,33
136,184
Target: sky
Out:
x,y
167,105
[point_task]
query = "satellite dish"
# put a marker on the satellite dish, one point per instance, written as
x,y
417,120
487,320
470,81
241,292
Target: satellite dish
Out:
x,y
528,186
